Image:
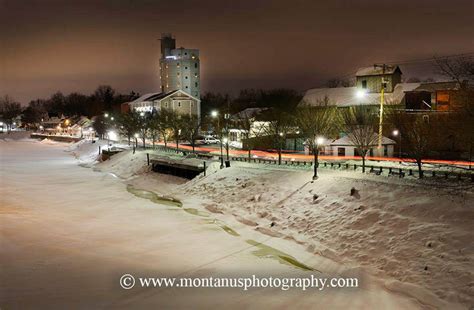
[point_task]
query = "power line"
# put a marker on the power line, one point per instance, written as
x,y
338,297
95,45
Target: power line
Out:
x,y
410,61
468,55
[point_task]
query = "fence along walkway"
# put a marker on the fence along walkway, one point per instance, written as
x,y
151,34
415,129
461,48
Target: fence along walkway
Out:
x,y
378,170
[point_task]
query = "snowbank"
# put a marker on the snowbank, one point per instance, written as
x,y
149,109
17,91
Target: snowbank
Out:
x,y
413,233
419,235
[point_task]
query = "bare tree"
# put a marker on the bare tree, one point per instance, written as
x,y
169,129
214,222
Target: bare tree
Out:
x,y
249,132
420,134
359,123
317,122
9,109
100,125
176,125
191,125
142,121
279,124
164,118
461,70
127,125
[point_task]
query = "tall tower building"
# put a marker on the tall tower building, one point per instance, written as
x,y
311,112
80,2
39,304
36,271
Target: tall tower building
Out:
x,y
179,68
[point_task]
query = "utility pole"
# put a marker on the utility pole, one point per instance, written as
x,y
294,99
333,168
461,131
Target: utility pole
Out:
x,y
382,93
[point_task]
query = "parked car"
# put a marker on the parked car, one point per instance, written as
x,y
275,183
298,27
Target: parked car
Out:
x,y
211,140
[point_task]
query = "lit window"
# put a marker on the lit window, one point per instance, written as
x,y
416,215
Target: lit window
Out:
x,y
195,75
193,57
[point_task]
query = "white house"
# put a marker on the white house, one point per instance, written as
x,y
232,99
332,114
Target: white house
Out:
x,y
345,147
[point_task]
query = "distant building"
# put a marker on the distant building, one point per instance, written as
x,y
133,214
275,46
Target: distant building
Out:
x,y
369,82
413,97
180,82
179,68
176,100
345,147
371,79
436,96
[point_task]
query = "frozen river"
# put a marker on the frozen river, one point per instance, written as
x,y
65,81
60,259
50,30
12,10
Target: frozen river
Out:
x,y
67,235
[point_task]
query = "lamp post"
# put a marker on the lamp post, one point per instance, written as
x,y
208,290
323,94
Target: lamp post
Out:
x,y
136,140
226,141
226,121
215,114
396,132
382,99
319,141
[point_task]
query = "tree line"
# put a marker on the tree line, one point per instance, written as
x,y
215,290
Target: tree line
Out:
x,y
104,98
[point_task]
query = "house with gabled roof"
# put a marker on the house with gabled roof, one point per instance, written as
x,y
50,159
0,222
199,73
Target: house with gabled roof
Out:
x,y
176,100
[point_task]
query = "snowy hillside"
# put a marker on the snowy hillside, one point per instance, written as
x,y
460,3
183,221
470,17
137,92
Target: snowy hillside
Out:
x,y
403,229
412,233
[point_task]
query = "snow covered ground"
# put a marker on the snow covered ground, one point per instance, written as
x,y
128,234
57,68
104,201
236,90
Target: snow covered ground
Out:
x,y
68,233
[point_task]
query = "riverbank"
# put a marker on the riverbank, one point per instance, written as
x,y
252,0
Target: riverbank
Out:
x,y
415,232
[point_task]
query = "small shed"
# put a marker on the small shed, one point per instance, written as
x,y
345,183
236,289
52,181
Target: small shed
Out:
x,y
345,147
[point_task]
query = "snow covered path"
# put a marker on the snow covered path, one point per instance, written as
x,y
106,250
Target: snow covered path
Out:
x,y
67,234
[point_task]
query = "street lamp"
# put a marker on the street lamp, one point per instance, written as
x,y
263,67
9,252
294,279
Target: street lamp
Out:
x,y
360,94
319,141
395,133
215,114
226,141
106,115
136,140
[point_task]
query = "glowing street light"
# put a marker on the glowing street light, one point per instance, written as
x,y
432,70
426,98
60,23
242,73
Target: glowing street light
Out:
x,y
106,115
396,133
360,93
319,141
214,113
112,135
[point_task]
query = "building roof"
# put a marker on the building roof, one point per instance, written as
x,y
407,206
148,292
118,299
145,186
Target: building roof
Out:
x,y
346,141
367,71
158,96
348,96
145,97
249,112
432,87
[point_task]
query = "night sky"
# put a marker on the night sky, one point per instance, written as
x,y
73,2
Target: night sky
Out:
x,y
71,45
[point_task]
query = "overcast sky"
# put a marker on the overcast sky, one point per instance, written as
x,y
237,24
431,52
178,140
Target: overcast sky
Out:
x,y
64,45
